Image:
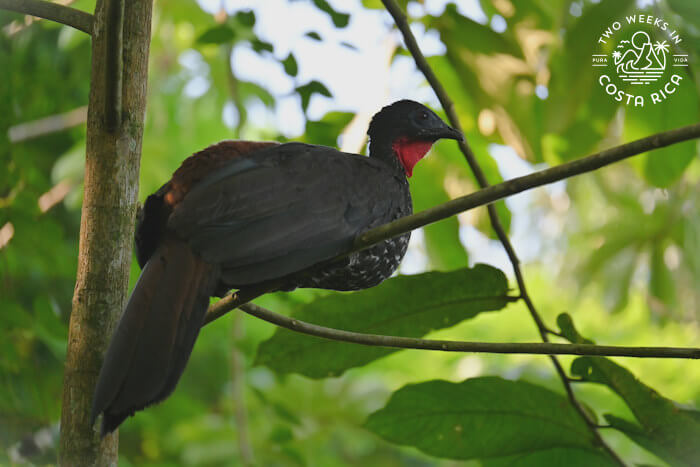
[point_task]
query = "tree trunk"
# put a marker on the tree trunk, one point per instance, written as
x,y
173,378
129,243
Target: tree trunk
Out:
x,y
106,228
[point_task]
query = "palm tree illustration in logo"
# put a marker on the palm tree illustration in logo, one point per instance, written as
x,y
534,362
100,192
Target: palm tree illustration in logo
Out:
x,y
638,61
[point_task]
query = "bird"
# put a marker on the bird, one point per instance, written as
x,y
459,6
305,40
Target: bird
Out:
x,y
241,214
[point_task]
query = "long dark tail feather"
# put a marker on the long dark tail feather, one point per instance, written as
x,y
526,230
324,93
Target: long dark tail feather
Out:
x,y
155,335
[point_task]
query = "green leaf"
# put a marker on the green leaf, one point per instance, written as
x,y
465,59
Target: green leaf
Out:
x,y
566,326
313,35
290,65
690,11
661,284
409,306
309,89
246,18
220,34
570,71
639,436
664,166
261,46
340,20
327,130
668,432
484,417
444,248
378,5
248,89
569,456
465,34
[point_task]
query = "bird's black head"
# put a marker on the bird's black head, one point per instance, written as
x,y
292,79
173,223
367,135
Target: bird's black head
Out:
x,y
410,129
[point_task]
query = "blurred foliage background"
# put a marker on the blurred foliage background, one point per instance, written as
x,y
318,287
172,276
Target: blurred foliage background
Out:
x,y
619,250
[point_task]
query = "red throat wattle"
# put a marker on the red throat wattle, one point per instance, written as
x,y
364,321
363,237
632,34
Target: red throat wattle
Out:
x,y
410,152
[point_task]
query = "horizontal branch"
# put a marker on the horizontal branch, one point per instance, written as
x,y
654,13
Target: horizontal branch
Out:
x,y
517,185
236,299
540,348
77,19
480,198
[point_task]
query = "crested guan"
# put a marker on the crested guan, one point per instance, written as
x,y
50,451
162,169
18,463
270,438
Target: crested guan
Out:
x,y
239,214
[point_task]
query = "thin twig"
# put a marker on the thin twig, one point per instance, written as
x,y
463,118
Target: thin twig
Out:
x,y
402,23
539,348
240,412
233,86
481,198
47,125
77,19
236,299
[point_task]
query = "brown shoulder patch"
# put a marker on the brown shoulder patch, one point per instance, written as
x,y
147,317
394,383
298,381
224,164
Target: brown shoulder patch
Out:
x,y
202,163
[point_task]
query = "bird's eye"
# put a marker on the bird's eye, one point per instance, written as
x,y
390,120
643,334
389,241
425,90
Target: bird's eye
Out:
x,y
424,115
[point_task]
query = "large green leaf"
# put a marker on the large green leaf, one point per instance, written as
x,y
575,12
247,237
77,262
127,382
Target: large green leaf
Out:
x,y
408,306
665,430
568,456
487,417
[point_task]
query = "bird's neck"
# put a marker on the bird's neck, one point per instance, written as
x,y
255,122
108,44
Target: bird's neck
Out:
x,y
382,149
402,154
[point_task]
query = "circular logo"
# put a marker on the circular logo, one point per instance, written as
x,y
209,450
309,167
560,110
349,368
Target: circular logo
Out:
x,y
643,63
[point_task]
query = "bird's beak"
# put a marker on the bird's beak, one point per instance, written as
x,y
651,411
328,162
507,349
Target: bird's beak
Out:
x,y
442,132
451,133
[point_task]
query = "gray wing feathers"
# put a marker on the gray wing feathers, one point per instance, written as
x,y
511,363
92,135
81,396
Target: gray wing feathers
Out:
x,y
284,210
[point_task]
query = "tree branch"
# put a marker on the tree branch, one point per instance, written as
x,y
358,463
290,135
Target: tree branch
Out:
x,y
77,19
106,232
513,186
479,198
539,348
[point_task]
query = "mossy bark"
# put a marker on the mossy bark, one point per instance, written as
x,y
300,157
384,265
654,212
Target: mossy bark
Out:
x,y
106,229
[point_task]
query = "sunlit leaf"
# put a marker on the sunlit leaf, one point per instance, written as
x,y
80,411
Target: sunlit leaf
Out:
x,y
327,130
220,34
570,70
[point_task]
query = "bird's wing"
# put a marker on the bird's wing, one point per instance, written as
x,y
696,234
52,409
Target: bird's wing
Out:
x,y
283,209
